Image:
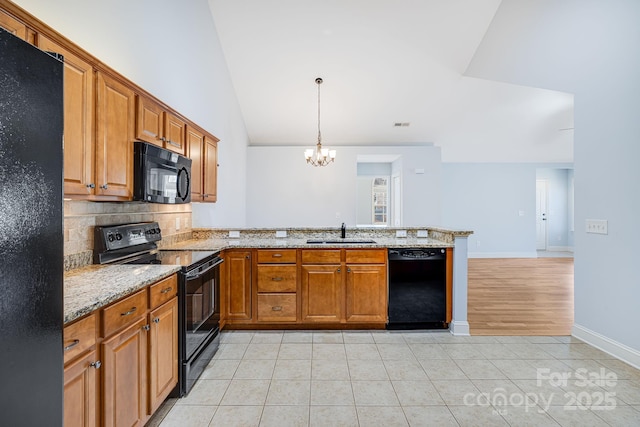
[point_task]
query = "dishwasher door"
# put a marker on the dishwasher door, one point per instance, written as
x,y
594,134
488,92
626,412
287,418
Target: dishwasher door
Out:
x,y
417,288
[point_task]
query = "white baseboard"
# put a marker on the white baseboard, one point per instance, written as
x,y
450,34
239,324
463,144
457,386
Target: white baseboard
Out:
x,y
502,255
459,328
559,248
614,348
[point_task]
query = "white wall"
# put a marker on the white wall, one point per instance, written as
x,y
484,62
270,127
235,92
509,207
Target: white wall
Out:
x,y
173,52
282,190
588,48
488,198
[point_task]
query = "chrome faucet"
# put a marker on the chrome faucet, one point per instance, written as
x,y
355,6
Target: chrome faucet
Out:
x,y
343,232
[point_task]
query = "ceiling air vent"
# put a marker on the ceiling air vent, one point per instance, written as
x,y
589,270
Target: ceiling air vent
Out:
x,y
401,124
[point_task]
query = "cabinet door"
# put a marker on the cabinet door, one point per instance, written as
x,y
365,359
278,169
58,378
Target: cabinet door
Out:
x,y
125,377
195,145
163,353
238,274
366,289
210,169
149,121
174,134
114,140
78,121
321,293
12,25
81,401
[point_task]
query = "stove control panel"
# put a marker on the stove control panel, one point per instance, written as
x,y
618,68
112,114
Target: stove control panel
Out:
x,y
113,237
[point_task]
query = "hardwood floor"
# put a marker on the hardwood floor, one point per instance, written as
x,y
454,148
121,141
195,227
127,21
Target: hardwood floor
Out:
x,y
514,296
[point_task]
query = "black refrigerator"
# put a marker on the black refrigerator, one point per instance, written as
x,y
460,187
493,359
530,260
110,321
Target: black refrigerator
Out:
x,y
31,235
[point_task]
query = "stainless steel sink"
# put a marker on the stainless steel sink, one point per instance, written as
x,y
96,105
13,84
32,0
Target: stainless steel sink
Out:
x,y
339,242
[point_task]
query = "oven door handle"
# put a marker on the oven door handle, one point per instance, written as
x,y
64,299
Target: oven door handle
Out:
x,y
195,274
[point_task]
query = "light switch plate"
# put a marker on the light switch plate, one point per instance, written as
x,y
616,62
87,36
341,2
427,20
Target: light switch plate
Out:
x,y
234,234
422,233
401,233
281,234
597,226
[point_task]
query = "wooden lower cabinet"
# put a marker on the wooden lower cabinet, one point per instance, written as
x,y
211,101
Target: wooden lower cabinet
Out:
x,y
237,272
81,397
278,307
125,376
163,353
366,293
322,296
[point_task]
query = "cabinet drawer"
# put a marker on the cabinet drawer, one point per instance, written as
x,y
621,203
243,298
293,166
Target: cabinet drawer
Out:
x,y
278,256
79,336
331,256
364,256
124,312
163,291
277,308
277,278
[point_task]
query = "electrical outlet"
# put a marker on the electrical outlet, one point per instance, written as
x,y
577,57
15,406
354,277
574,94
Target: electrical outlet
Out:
x,y
281,234
178,224
338,215
234,234
597,226
422,233
401,233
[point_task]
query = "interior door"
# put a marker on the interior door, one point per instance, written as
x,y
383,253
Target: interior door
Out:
x,y
541,214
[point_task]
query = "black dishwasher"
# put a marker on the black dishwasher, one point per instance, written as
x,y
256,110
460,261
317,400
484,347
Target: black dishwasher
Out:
x,y
417,288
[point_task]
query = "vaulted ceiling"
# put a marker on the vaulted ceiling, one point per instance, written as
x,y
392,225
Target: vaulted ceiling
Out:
x,y
384,62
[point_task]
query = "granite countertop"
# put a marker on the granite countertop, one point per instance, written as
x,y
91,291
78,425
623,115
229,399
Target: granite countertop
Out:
x,y
90,288
248,242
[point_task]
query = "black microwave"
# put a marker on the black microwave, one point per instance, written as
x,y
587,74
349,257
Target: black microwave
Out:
x,y
160,175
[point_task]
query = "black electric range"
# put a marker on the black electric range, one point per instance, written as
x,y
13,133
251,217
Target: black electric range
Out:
x,y
198,289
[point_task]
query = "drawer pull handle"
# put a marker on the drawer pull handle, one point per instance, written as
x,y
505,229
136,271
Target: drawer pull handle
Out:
x,y
96,364
276,308
133,310
277,255
73,344
277,279
165,290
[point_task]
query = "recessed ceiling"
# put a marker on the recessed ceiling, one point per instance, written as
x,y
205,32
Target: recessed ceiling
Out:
x,y
383,62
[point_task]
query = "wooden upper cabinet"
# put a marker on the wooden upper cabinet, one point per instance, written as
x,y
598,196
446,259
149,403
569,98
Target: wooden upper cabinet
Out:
x,y
157,126
78,120
195,145
149,121
115,131
210,169
12,25
174,134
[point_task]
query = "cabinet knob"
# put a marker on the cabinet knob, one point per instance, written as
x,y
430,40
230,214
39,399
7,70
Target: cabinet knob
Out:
x,y
247,257
104,186
156,320
348,270
146,327
338,271
92,185
96,364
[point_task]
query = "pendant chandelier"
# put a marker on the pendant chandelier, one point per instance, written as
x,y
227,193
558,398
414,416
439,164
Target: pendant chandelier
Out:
x,y
319,156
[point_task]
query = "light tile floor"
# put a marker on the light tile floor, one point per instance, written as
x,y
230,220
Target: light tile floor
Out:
x,y
411,378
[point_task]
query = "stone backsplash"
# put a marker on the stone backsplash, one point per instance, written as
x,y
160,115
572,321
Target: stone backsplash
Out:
x,y
81,217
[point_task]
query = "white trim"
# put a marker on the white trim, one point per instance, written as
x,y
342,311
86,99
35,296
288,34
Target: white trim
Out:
x,y
459,328
559,248
601,342
532,254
